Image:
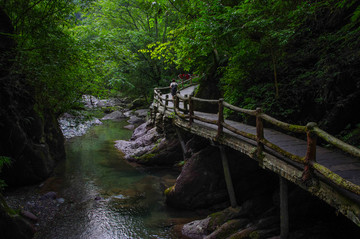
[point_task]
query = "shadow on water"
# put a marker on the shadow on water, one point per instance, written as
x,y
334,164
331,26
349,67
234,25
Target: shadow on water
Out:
x,y
105,197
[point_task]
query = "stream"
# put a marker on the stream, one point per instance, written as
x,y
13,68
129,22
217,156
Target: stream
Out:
x,y
105,196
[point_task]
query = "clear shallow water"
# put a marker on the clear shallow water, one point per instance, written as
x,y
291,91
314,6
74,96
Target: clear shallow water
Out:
x,y
131,204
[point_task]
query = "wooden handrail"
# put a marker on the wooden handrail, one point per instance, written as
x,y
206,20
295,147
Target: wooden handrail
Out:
x,y
259,134
311,130
282,151
205,100
205,120
239,132
336,142
288,127
181,97
245,111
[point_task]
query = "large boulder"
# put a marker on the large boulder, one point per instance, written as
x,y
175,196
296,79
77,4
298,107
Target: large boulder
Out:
x,y
164,153
201,183
143,140
116,115
149,148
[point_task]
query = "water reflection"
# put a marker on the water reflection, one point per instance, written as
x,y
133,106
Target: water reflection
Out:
x,y
105,197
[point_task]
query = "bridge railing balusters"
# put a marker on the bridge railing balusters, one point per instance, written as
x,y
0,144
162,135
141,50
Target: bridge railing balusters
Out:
x,y
310,156
191,110
176,105
220,121
166,102
186,104
259,134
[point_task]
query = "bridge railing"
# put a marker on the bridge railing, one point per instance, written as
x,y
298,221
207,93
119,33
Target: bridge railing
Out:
x,y
183,106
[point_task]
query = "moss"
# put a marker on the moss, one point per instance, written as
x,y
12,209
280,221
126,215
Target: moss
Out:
x,y
157,144
110,109
168,190
145,158
216,219
181,163
7,209
297,128
229,228
254,235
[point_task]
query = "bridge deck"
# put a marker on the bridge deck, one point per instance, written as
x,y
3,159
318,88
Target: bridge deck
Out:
x,y
348,167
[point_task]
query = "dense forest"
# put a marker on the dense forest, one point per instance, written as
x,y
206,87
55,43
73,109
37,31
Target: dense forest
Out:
x,y
297,60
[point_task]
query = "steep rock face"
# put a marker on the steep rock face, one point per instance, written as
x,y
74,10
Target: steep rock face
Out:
x,y
32,139
34,143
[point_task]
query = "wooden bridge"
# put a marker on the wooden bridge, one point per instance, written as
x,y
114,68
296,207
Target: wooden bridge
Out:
x,y
331,175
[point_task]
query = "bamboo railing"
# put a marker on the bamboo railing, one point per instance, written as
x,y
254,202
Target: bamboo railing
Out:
x,y
311,130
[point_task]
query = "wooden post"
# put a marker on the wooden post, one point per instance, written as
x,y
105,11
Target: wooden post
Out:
x,y
259,135
191,110
220,118
155,112
151,113
284,209
160,100
182,143
176,105
166,102
185,105
155,106
229,184
310,151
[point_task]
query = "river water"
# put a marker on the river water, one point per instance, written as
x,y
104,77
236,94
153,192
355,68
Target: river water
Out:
x,y
105,197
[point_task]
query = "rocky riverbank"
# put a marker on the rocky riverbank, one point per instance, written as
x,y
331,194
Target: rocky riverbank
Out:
x,y
78,123
37,205
148,147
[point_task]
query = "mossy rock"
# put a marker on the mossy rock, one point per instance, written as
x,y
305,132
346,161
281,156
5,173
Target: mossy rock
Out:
x,y
110,109
146,158
229,228
219,218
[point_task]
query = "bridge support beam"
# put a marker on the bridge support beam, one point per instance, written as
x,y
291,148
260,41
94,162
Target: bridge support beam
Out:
x,y
182,143
284,212
229,184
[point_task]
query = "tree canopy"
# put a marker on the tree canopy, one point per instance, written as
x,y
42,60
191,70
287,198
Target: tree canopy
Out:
x,y
295,59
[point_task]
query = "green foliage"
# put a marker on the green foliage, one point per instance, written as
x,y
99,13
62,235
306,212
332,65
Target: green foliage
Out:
x,y
295,59
47,53
3,161
351,134
116,34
